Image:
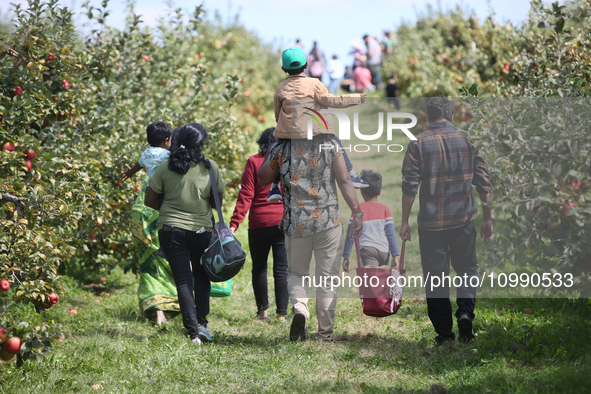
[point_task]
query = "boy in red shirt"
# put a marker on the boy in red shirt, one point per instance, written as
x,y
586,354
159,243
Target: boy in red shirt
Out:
x,y
378,237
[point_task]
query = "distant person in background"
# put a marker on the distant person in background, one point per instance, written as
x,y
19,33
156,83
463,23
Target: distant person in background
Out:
x,y
374,60
336,70
347,84
298,43
393,90
263,232
388,43
348,73
316,62
362,79
358,53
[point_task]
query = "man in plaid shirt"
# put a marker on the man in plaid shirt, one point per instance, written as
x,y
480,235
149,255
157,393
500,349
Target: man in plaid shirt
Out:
x,y
446,166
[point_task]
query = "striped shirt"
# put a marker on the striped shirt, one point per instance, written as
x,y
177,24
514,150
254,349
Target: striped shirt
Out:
x,y
446,166
378,230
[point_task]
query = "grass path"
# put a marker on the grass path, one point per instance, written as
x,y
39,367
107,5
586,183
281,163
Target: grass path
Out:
x,y
111,347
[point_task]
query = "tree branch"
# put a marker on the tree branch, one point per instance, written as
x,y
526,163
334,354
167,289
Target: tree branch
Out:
x,y
18,204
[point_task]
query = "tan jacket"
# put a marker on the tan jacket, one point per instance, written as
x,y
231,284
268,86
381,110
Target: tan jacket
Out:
x,y
296,99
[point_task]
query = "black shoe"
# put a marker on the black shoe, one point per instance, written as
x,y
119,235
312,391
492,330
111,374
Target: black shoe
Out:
x,y
298,328
465,327
441,340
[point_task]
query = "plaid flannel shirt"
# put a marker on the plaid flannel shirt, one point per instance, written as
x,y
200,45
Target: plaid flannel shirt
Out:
x,y
446,166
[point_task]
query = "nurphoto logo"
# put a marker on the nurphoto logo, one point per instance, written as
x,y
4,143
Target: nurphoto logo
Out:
x,y
345,129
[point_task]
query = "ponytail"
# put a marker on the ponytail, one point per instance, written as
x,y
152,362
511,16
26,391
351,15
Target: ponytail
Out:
x,y
187,147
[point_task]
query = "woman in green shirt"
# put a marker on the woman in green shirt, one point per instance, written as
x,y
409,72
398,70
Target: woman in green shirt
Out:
x,y
185,222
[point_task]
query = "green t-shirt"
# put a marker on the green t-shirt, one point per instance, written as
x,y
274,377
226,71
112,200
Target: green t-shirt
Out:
x,y
186,197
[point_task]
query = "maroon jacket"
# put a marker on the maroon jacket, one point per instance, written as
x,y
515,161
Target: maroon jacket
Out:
x,y
253,196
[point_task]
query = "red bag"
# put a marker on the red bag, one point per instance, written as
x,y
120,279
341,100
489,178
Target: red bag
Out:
x,y
381,289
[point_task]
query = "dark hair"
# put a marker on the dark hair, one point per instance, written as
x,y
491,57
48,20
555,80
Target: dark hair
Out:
x,y
374,179
186,147
365,36
393,75
295,71
440,107
266,140
158,132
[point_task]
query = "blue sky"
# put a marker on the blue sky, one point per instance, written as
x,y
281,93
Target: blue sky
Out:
x,y
333,23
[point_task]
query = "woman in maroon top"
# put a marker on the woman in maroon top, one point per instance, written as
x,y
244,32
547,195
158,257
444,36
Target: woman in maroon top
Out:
x,y
263,232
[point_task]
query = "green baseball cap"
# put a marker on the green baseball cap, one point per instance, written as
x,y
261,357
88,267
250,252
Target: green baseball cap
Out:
x,y
293,58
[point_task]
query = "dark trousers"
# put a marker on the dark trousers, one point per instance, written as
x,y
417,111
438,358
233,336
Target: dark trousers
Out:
x,y
260,241
183,249
438,248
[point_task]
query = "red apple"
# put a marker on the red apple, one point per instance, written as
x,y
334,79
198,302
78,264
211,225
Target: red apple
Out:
x,y
58,117
30,154
576,184
73,312
4,285
9,146
566,207
50,57
527,310
3,334
13,345
247,93
146,57
138,187
53,298
18,91
29,164
66,84
6,356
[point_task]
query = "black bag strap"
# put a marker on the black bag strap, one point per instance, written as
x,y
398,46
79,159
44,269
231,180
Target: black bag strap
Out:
x,y
216,195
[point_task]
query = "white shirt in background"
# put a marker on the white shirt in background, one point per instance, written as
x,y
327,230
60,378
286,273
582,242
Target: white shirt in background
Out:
x,y
336,69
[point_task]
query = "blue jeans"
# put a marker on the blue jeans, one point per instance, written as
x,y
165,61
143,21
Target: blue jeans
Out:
x,y
438,249
183,250
334,85
376,74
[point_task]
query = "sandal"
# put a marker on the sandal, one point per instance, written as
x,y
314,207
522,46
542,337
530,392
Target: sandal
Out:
x,y
262,318
283,319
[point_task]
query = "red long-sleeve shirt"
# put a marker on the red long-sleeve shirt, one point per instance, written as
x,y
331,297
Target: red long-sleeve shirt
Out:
x,y
253,197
